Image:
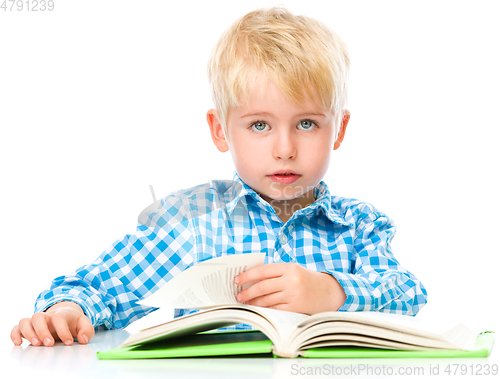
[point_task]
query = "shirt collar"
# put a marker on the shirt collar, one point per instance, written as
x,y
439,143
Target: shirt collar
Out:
x,y
240,190
324,201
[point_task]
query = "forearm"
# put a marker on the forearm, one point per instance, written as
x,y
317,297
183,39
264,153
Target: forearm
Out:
x,y
102,291
95,288
71,291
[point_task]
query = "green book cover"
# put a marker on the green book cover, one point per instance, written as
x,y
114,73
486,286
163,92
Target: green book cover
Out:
x,y
256,344
243,342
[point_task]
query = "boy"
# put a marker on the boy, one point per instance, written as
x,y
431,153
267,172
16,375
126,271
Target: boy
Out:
x,y
279,86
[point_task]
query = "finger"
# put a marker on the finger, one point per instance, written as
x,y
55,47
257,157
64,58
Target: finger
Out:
x,y
60,323
85,330
15,336
268,301
262,272
39,322
261,288
28,332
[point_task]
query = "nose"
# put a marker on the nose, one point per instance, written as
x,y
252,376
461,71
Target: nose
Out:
x,y
285,146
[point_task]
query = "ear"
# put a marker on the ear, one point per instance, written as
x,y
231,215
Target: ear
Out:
x,y
343,126
216,131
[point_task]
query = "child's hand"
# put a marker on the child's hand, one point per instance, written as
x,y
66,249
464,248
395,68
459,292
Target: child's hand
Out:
x,y
62,321
291,287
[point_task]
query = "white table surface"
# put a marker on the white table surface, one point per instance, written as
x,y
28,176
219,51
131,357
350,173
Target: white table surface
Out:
x,y
79,361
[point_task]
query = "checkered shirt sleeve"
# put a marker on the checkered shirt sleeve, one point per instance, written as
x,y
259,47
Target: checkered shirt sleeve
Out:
x,y
375,280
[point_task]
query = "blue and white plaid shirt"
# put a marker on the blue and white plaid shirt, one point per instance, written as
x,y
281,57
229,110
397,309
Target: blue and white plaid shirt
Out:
x,y
345,237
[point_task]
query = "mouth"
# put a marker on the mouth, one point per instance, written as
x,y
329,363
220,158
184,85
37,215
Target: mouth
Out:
x,y
285,172
284,177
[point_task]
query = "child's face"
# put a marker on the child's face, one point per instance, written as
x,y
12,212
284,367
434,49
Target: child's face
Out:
x,y
269,134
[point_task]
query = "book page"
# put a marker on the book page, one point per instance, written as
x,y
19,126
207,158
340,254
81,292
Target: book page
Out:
x,y
207,284
284,322
205,320
334,329
439,330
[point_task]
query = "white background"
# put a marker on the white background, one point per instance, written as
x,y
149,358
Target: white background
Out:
x,y
100,99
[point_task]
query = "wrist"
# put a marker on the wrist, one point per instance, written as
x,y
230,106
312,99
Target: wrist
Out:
x,y
337,294
65,304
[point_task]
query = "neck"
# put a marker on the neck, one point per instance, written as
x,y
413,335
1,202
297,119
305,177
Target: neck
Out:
x,y
286,208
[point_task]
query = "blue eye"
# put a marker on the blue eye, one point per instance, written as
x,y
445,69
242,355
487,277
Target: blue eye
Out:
x,y
259,126
306,124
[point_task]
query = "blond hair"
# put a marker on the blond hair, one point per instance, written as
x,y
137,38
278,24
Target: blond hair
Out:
x,y
302,56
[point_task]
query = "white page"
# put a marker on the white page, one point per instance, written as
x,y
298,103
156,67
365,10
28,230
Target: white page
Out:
x,y
285,322
207,284
448,330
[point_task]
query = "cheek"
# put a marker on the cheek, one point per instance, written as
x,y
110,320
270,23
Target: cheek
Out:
x,y
245,153
319,154
321,147
328,142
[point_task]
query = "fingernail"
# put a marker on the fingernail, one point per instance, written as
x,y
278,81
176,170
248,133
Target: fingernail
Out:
x,y
47,341
239,297
68,342
35,342
16,341
85,338
237,279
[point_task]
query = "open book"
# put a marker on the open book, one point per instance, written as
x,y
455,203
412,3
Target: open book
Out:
x,y
286,334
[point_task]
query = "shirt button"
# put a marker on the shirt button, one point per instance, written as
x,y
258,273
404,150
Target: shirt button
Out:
x,y
283,239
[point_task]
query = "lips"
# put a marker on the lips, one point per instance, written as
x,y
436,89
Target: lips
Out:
x,y
284,176
285,172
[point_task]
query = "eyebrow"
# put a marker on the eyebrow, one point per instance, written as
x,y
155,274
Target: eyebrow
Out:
x,y
270,115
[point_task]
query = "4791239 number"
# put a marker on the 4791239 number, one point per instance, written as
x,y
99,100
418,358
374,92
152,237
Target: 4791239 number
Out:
x,y
471,369
27,5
